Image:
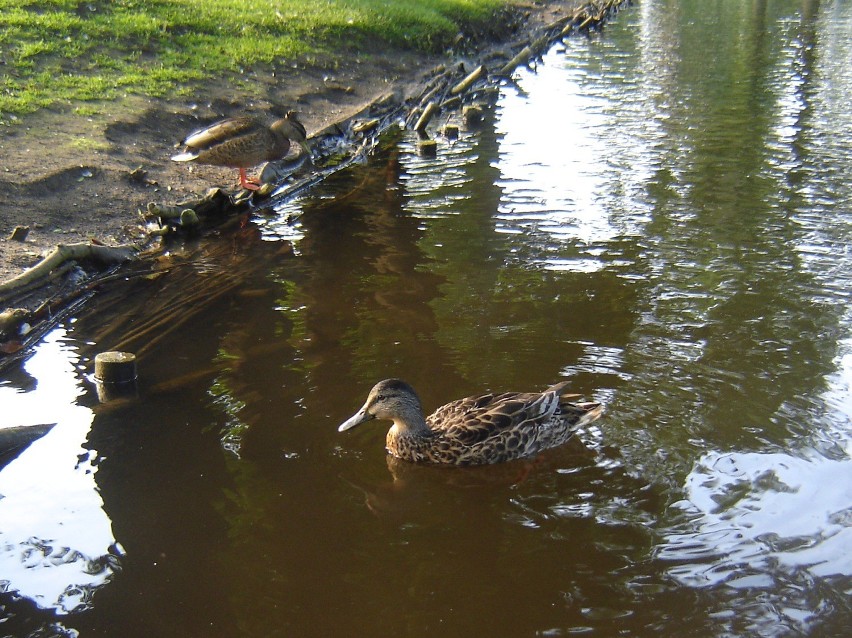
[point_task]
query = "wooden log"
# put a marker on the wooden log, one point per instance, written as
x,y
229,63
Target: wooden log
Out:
x,y
19,437
115,367
19,233
412,117
472,77
431,95
115,375
451,103
363,127
424,118
586,23
557,24
161,211
427,148
189,218
472,114
68,252
438,83
11,319
451,131
579,19
522,56
540,45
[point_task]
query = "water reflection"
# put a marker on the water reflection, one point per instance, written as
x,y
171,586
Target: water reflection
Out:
x,y
559,170
764,513
658,214
56,540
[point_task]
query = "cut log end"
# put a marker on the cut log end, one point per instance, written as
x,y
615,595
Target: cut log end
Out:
x,y
115,367
19,233
427,148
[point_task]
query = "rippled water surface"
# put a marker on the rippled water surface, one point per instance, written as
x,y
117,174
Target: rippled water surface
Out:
x,y
659,214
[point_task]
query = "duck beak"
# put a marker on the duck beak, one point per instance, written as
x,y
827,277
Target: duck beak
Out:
x,y
361,416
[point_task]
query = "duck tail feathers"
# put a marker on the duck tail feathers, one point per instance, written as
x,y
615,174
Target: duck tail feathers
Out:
x,y
593,412
558,387
184,157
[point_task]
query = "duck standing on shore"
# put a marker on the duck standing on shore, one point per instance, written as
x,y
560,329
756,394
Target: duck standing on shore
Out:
x,y
243,142
477,430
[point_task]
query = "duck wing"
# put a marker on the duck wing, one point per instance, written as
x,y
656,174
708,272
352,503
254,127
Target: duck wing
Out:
x,y
476,419
224,130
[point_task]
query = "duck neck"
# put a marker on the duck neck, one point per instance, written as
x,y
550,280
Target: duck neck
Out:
x,y
411,423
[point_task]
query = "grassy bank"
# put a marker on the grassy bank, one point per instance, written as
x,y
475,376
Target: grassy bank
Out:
x,y
69,51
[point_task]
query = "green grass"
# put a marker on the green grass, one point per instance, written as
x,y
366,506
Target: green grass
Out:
x,y
62,51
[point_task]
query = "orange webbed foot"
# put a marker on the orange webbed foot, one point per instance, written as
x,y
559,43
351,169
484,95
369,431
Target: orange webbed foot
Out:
x,y
248,184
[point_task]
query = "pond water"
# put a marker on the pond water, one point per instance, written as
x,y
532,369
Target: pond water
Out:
x,y
659,214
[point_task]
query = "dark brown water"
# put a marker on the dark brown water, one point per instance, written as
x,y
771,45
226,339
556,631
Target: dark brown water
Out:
x,y
660,215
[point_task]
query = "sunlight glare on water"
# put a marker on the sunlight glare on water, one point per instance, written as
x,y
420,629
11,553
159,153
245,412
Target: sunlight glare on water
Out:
x,y
562,184
56,542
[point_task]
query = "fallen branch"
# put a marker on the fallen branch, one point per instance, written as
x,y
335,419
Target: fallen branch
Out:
x,y
472,77
63,253
424,118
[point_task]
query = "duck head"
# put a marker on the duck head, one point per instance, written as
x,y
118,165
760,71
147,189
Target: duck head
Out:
x,y
391,399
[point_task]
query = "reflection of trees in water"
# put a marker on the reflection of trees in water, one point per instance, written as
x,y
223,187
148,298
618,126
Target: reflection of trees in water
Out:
x,y
209,328
728,307
365,289
355,294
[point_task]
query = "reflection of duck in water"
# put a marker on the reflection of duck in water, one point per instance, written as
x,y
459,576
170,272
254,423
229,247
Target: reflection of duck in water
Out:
x,y
243,142
476,430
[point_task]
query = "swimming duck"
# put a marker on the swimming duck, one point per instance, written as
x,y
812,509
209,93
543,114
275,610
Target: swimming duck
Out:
x,y
243,142
477,430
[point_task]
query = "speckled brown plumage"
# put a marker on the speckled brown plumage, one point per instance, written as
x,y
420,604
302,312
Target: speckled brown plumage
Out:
x,y
476,430
243,142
